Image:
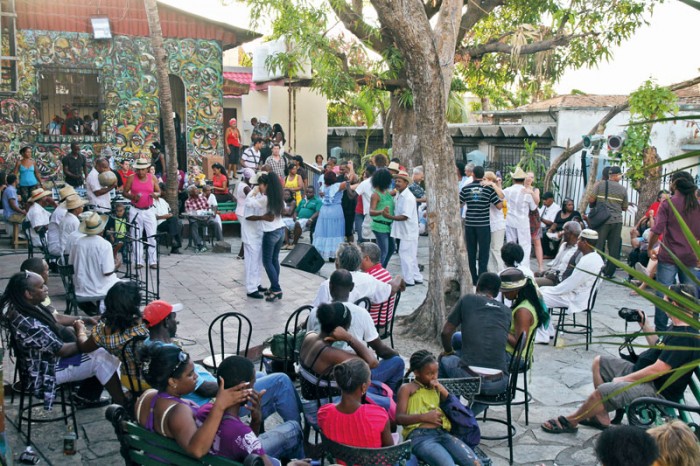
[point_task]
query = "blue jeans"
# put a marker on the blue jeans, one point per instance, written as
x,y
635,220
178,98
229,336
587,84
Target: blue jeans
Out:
x,y
359,218
386,247
280,397
284,441
271,244
666,275
390,371
437,447
450,367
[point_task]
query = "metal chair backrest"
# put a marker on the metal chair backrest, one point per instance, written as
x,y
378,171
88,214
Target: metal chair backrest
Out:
x,y
514,365
594,290
529,350
363,302
395,454
296,329
385,317
463,387
130,352
66,271
244,327
26,230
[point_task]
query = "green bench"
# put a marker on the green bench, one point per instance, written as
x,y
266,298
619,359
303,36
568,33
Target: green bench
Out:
x,y
139,446
648,412
225,207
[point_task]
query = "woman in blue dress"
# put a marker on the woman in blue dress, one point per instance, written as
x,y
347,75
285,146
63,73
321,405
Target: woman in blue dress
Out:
x,y
330,226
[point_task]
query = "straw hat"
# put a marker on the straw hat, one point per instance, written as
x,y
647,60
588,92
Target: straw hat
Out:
x,y
142,163
589,234
38,193
519,174
93,225
73,202
394,166
403,175
64,192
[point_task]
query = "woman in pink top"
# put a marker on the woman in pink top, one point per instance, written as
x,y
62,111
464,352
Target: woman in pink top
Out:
x,y
142,188
351,422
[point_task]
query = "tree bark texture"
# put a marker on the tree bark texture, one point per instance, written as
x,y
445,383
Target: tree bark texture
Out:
x,y
408,24
166,105
593,172
648,187
404,134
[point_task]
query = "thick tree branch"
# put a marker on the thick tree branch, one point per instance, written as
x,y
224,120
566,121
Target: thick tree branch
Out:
x,y
475,11
354,23
475,53
564,156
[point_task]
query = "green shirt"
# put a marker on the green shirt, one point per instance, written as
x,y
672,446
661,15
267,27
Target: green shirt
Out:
x,y
526,305
308,207
381,224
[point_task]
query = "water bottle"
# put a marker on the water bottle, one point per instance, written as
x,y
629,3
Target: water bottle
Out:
x,y
69,442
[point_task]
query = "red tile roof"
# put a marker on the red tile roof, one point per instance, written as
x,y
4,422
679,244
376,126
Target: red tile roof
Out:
x,y
238,83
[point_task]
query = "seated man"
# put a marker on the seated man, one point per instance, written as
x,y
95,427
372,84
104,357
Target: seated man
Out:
x,y
37,215
349,257
70,223
167,222
614,378
391,367
11,209
213,203
288,210
53,233
306,214
197,202
562,266
371,264
92,258
280,396
485,324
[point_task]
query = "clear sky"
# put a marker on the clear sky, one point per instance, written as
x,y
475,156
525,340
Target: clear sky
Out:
x,y
665,50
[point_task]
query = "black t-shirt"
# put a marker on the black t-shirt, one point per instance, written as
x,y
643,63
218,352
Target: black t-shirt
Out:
x,y
75,166
478,199
485,324
674,358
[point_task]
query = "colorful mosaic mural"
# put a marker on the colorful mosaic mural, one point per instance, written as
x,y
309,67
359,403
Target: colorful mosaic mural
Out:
x,y
129,90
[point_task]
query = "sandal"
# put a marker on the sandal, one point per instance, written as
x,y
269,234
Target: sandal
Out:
x,y
272,296
593,422
560,425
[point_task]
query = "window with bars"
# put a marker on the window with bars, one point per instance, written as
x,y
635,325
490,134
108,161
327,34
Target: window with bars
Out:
x,y
70,101
8,53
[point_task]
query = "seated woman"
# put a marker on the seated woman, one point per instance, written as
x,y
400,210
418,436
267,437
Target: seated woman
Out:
x,y
238,439
50,350
351,421
528,310
220,183
163,410
120,323
425,424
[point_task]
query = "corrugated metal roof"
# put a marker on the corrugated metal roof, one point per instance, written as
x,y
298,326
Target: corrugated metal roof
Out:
x,y
467,130
126,17
576,101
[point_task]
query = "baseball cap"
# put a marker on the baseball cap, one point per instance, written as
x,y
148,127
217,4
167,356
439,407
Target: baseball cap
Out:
x,y
615,170
156,311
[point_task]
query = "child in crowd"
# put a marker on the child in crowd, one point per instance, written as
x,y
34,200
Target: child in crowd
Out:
x,y
425,424
236,439
116,231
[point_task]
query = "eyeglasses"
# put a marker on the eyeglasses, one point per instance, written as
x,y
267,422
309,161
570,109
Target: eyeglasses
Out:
x,y
182,358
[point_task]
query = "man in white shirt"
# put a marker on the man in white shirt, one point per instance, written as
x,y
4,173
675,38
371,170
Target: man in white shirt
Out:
x,y
92,258
37,215
465,173
53,233
167,222
349,257
364,189
519,205
98,195
405,228
558,267
70,222
391,367
548,212
251,156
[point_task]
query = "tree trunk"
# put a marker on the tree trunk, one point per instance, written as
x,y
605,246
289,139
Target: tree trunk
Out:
x,y
404,134
407,22
166,105
651,184
583,203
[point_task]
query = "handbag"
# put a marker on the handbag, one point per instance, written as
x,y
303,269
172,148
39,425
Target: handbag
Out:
x,y
277,341
599,213
464,425
380,394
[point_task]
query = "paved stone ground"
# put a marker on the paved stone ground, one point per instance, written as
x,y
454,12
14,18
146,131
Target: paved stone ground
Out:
x,y
209,284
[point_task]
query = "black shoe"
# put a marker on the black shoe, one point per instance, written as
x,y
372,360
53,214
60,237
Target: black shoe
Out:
x,y
83,403
262,289
410,284
175,251
255,295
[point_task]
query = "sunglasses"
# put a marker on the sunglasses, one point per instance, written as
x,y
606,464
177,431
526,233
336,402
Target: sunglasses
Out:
x,y
182,358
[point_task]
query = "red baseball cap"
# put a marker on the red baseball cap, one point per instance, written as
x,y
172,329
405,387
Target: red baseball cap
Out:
x,y
156,311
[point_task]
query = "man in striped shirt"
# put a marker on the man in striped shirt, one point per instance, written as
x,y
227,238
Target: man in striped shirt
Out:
x,y
478,199
371,265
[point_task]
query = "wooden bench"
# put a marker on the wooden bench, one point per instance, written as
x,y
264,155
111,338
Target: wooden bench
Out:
x,y
139,446
648,412
226,207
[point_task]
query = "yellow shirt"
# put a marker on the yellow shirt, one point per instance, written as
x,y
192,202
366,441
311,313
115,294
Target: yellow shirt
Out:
x,y
423,401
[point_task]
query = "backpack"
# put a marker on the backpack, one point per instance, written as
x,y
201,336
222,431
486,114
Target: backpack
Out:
x,y
464,425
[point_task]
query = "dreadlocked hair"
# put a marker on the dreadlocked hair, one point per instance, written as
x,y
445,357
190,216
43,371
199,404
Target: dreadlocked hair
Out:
x,y
684,184
419,359
13,300
529,293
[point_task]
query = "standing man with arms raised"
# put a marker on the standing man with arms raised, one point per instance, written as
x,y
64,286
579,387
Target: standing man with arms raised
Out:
x,y
520,203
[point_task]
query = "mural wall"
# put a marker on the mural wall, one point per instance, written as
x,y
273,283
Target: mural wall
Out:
x,y
129,90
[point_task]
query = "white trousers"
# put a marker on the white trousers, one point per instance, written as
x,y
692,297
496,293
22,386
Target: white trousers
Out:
x,y
145,221
521,236
495,261
408,252
552,300
99,363
252,259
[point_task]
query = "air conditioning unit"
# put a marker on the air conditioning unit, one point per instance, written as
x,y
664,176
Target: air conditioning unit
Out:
x,y
272,48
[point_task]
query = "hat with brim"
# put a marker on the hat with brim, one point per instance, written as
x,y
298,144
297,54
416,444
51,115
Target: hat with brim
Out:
x,y
248,173
518,174
512,279
156,311
39,193
615,170
93,225
64,192
394,166
589,234
141,164
73,202
403,175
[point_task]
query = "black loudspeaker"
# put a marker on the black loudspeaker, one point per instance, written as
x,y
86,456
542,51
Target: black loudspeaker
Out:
x,y
304,257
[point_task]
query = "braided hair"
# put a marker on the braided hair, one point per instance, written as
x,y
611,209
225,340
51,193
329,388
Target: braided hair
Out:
x,y
419,360
161,362
683,183
351,374
13,300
